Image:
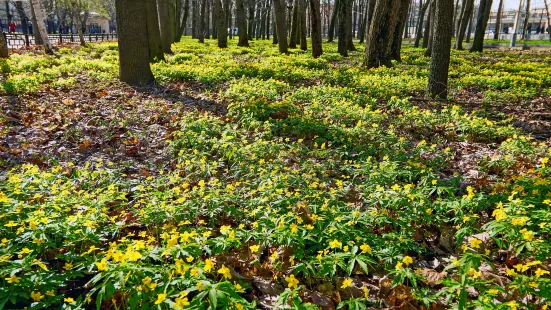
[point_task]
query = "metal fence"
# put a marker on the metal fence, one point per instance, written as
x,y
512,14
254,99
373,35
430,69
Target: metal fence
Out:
x,y
19,40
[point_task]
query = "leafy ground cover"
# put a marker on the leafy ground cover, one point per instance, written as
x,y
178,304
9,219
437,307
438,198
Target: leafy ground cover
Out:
x,y
247,179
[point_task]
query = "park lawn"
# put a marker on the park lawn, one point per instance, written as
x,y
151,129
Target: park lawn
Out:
x,y
248,179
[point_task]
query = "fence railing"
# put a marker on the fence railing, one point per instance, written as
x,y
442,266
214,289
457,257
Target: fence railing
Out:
x,y
19,40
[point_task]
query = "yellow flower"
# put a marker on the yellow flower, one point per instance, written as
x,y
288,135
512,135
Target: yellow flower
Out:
x,y
335,244
225,271
527,235
399,266
36,296
407,260
540,272
475,243
346,283
365,248
366,292
69,300
238,306
238,288
209,264
254,248
13,279
189,259
160,298
181,302
292,281
102,266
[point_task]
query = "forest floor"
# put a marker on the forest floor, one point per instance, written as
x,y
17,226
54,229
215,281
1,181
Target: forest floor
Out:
x,y
248,179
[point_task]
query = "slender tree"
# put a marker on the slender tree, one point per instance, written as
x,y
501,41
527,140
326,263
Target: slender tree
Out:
x,y
133,42
498,20
153,32
221,25
280,23
419,31
464,19
399,30
481,23
202,21
331,30
342,29
294,25
440,61
428,23
348,25
526,19
303,28
316,28
164,25
3,47
241,23
37,38
41,29
548,18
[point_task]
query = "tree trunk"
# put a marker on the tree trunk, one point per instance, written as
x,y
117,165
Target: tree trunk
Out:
x,y
428,51
331,30
396,47
133,42
3,47
426,32
79,30
548,18
183,25
172,21
281,27
481,23
164,25
381,32
455,10
303,29
498,20
221,26
41,29
526,19
470,27
316,28
440,61
36,33
22,16
466,13
363,23
343,30
294,25
268,19
153,32
419,31
241,23
202,24
349,30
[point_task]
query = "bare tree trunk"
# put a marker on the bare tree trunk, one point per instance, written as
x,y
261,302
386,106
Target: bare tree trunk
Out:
x,y
133,42
316,28
498,20
294,25
440,62
396,47
183,26
348,18
481,23
164,25
526,19
465,18
3,47
455,10
221,26
79,30
343,30
428,25
548,18
153,32
470,27
331,30
251,19
428,51
381,32
22,16
202,24
303,31
281,27
41,29
241,23
363,22
419,32
36,33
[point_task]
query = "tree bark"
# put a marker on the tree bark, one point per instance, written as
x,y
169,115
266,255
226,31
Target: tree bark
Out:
x,y
41,29
281,27
381,32
440,61
526,19
428,23
455,10
79,29
3,47
349,30
498,20
294,25
342,30
202,23
316,28
221,26
22,16
183,25
419,31
548,18
303,29
470,27
153,32
133,42
331,30
164,25
36,33
428,51
241,23
466,13
396,47
481,23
